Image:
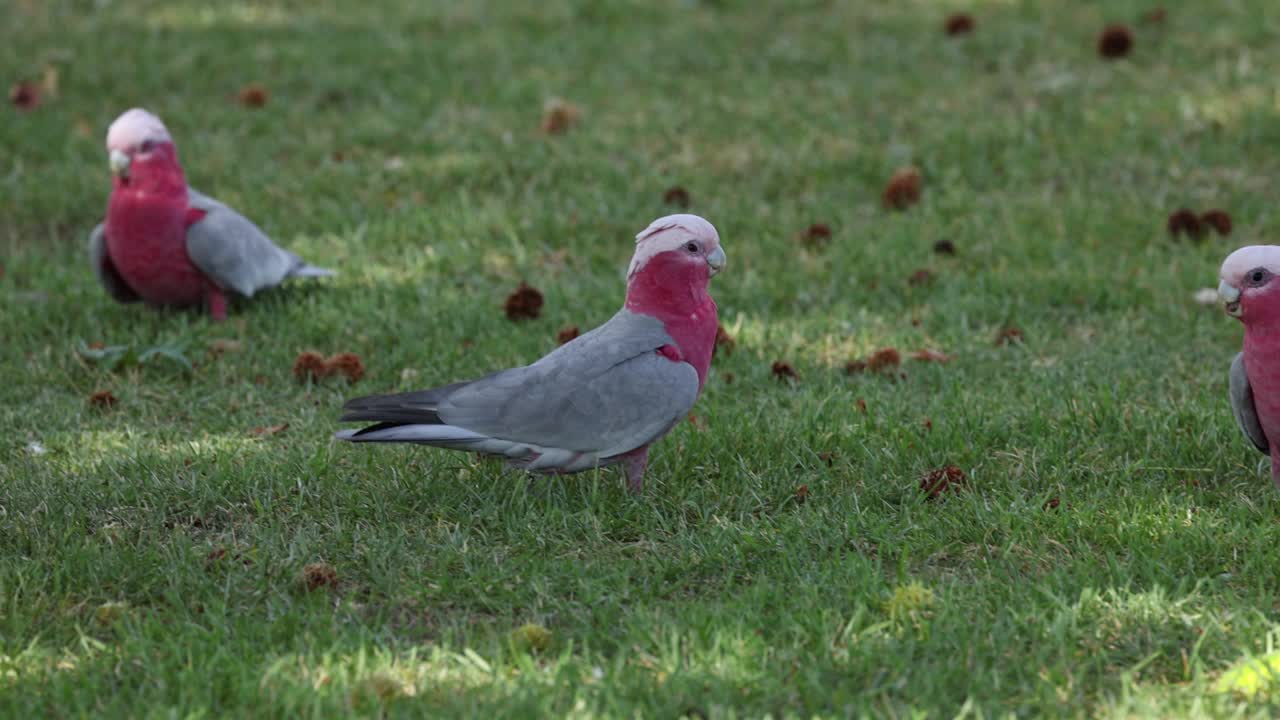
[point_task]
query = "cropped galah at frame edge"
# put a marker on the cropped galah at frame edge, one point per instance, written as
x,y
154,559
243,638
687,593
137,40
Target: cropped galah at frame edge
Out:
x,y
1250,292
599,399
166,244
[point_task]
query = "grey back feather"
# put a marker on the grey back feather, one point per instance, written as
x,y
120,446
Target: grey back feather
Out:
x,y
1242,405
605,392
234,253
105,270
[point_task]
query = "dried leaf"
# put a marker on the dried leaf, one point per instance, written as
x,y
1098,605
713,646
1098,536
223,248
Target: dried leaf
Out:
x,y
927,355
945,479
253,95
269,430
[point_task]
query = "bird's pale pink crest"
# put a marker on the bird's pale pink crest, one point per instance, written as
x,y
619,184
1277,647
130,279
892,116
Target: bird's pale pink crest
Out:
x,y
134,128
671,233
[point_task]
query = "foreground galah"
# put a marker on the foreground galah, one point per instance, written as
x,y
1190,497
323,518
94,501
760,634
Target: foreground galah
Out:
x,y
166,244
600,399
1250,290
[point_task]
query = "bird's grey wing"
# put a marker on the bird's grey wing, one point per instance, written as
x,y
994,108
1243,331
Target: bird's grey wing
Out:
x,y
603,393
605,411
105,270
1242,405
235,253
606,392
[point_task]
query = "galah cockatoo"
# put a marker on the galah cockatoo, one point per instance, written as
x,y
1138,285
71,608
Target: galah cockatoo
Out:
x,y
166,244
1250,289
599,399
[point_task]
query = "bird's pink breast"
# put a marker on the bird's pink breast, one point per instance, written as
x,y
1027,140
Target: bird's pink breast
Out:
x,y
146,239
1262,364
695,335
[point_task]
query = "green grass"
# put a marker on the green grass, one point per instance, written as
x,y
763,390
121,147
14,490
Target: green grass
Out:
x,y
151,561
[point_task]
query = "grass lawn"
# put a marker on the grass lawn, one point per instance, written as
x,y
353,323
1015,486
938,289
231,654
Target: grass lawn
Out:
x,y
1116,550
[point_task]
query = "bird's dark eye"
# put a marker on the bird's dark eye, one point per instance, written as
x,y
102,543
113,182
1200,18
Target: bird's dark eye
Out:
x,y
691,246
1257,276
147,145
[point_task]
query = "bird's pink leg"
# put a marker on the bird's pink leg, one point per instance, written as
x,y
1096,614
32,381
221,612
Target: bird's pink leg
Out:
x,y
637,461
217,303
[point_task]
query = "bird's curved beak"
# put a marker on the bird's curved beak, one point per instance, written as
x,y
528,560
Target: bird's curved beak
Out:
x,y
120,163
1230,298
716,260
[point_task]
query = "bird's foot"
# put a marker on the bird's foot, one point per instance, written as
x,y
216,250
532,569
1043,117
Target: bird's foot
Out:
x,y
217,303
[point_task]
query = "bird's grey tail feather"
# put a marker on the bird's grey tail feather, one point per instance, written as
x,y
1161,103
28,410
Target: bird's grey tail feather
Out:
x,y
408,407
305,270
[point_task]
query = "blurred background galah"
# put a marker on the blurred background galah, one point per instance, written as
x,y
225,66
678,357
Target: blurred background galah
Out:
x,y
1251,293
166,244
600,399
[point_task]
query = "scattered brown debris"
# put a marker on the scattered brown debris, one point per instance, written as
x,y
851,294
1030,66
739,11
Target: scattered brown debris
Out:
x,y
222,346
903,189
1217,219
102,399
783,371
346,363
861,404
319,575
1115,41
853,367
1052,503
1185,221
253,95
728,377
524,303
269,430
25,95
697,422
1010,335
96,345
945,479
1155,16
558,116
221,553
567,333
802,494
928,424
817,235
884,359
310,366
944,247
723,340
677,196
959,24
920,277
827,457
927,355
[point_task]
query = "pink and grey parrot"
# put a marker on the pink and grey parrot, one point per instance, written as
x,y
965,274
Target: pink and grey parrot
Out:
x,y
1250,290
166,244
600,399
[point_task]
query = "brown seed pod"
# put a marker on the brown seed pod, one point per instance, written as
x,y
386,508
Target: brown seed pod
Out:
x,y
1115,41
903,189
524,303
